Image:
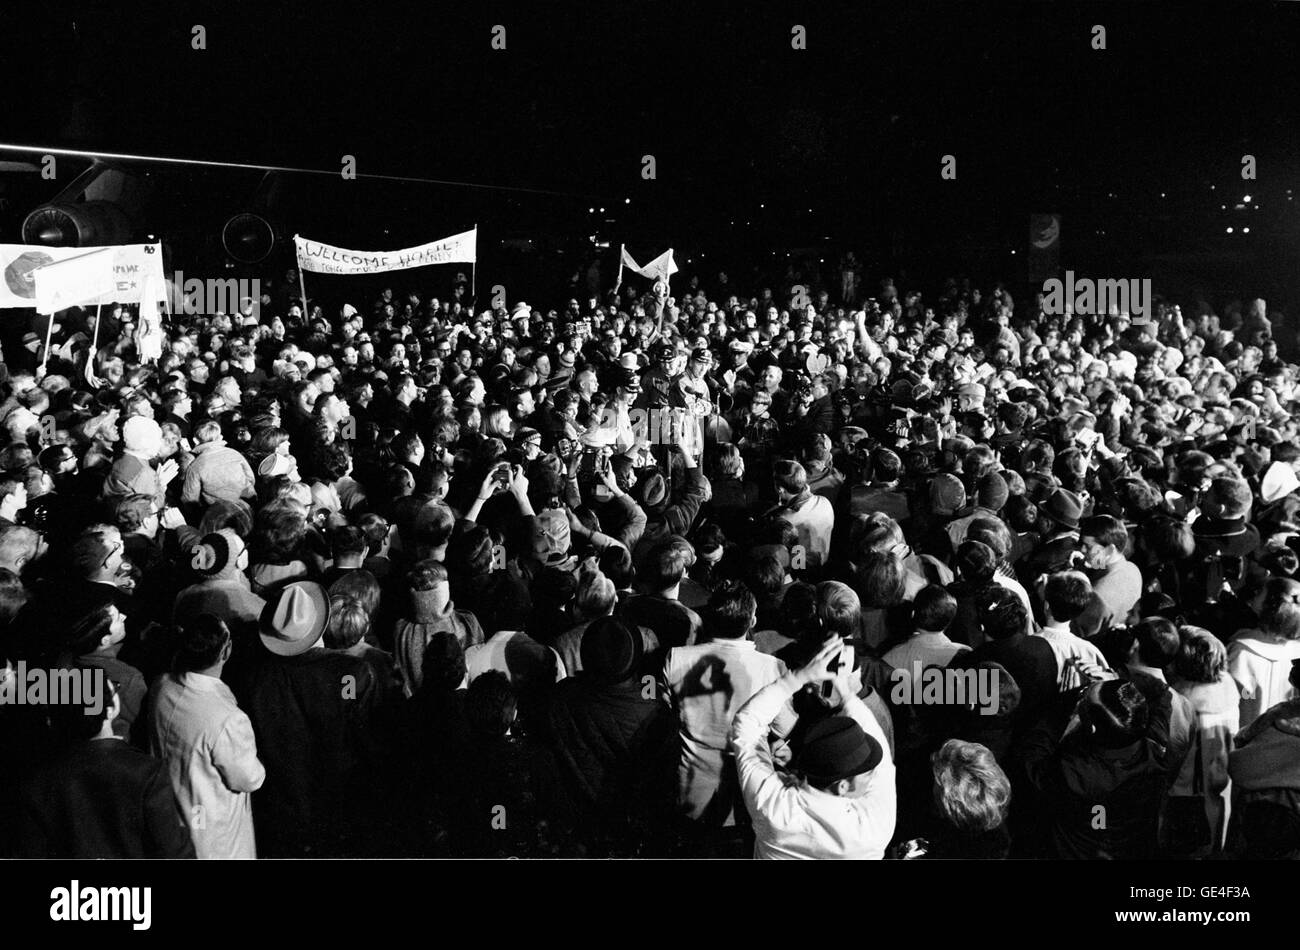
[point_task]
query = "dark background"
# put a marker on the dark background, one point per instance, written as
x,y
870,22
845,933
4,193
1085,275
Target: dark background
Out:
x,y
840,143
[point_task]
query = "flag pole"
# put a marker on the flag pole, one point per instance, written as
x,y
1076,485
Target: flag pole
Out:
x,y
622,249
473,273
49,335
91,379
302,286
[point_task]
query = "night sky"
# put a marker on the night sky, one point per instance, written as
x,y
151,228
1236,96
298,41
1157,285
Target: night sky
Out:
x,y
840,142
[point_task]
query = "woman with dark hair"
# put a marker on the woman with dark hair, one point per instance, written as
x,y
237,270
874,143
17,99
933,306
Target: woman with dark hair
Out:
x,y
332,463
472,554
881,584
1165,545
278,546
327,417
976,565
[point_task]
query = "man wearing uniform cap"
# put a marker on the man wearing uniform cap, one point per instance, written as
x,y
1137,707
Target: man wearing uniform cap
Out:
x,y
656,382
839,801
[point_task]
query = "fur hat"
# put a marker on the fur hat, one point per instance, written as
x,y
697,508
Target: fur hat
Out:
x,y
947,494
992,491
217,553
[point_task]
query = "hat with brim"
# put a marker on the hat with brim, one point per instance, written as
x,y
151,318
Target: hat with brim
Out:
x,y
294,619
836,748
1064,508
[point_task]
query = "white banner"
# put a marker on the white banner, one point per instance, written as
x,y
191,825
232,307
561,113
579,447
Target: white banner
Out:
x,y
317,258
132,263
75,281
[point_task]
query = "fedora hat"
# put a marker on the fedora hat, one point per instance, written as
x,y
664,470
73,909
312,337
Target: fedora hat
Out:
x,y
836,748
1063,507
295,617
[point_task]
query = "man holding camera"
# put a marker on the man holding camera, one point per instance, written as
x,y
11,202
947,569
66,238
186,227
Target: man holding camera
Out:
x,y
839,801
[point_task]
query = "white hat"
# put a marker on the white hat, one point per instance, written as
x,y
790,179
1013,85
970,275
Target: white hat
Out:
x,y
1279,481
142,435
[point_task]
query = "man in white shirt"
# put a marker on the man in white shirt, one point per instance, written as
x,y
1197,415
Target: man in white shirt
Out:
x,y
707,684
197,728
840,802
1066,595
1116,581
812,515
932,612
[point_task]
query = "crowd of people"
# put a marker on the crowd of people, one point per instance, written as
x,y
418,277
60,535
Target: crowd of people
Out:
x,y
647,576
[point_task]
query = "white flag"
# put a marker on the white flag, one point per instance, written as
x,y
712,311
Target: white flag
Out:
x,y
660,268
149,336
76,280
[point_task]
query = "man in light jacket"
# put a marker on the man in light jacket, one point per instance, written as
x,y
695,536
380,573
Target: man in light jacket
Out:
x,y
198,729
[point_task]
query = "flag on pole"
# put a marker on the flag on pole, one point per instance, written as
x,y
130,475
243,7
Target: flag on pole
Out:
x,y
149,336
75,280
661,268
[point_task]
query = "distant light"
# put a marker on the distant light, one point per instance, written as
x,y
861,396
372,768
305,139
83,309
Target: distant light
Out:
x,y
1246,199
1013,250
762,205
1211,188
591,211
1245,230
602,210
1162,194
1229,230
1224,207
810,210
627,201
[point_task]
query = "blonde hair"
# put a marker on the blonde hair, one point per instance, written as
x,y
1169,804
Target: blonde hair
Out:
x,y
970,788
